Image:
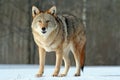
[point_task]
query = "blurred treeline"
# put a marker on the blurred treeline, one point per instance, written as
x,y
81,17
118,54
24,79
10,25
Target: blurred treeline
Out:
x,y
102,28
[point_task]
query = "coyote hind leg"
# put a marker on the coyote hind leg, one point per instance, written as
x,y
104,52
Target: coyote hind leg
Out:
x,y
78,52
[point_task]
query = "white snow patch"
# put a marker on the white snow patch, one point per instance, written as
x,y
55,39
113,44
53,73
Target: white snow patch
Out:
x,y
27,72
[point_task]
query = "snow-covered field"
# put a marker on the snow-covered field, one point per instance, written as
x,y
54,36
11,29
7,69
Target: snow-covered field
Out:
x,y
27,72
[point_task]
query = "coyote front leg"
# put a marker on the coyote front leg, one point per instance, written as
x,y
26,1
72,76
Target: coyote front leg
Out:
x,y
59,56
67,64
42,55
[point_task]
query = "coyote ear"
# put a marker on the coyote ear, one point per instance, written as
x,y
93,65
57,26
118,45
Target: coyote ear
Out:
x,y
35,11
52,10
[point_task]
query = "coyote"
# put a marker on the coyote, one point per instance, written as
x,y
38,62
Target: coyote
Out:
x,y
59,33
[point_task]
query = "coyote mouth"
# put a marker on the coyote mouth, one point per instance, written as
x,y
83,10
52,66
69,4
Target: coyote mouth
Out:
x,y
44,32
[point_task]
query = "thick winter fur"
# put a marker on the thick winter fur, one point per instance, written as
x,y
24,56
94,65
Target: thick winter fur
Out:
x,y
59,33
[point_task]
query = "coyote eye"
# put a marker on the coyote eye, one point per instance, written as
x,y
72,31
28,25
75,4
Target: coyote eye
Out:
x,y
40,21
47,21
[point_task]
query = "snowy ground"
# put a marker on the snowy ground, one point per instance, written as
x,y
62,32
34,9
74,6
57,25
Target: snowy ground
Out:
x,y
27,72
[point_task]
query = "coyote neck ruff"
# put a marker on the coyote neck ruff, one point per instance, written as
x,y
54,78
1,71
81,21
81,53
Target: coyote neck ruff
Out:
x,y
59,33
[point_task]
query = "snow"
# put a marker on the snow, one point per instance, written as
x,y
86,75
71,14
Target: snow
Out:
x,y
27,72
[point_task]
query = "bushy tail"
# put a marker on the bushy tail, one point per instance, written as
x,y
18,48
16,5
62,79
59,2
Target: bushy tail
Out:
x,y
82,58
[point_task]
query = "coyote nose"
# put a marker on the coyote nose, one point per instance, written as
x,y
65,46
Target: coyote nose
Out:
x,y
43,28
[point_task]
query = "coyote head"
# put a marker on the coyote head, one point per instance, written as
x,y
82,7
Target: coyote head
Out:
x,y
44,22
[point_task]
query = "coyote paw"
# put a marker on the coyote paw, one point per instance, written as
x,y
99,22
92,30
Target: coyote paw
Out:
x,y
77,74
55,75
62,75
38,75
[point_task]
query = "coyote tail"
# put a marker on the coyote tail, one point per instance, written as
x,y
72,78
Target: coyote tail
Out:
x,y
82,58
